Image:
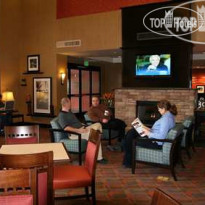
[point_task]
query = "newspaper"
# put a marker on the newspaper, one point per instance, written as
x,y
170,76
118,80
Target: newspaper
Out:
x,y
137,124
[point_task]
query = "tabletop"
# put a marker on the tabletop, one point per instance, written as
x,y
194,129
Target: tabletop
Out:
x,y
59,151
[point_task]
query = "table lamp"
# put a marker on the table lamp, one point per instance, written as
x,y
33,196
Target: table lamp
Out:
x,y
8,99
7,96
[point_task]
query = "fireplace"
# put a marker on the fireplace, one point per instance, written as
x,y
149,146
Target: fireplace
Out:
x,y
147,112
125,101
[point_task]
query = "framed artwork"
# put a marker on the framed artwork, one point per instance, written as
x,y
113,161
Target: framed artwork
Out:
x,y
33,63
200,88
42,95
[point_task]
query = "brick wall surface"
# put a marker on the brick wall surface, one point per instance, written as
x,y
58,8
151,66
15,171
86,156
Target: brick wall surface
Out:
x,y
125,101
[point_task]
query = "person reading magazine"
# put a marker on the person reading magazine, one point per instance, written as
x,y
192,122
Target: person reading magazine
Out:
x,y
137,124
159,130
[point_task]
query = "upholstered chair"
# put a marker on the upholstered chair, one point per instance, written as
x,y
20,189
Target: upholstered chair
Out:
x,y
167,156
73,146
108,133
188,140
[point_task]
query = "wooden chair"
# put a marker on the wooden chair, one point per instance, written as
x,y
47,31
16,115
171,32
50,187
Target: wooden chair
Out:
x,y
18,186
21,134
44,165
73,176
161,198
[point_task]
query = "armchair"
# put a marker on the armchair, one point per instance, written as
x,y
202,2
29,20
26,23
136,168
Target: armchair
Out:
x,y
187,140
108,133
166,157
73,146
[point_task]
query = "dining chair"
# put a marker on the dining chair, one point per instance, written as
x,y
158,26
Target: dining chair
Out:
x,y
26,134
18,186
43,162
75,176
162,198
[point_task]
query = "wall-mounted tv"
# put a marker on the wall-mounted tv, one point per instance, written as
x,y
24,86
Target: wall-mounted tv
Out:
x,y
158,65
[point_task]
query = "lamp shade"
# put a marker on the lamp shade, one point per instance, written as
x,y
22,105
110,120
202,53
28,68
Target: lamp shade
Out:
x,y
7,96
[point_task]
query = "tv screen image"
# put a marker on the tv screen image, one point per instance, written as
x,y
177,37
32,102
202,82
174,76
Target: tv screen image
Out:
x,y
153,65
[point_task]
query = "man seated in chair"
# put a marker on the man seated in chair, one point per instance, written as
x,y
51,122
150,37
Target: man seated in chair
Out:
x,y
69,122
100,113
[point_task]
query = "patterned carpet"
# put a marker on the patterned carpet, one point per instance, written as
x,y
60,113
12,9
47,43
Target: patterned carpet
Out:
x,y
116,185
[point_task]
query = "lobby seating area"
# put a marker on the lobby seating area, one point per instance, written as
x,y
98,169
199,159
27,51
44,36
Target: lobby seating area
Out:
x,y
117,185
66,64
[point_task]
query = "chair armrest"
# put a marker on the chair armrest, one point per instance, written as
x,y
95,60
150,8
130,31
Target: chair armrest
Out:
x,y
64,131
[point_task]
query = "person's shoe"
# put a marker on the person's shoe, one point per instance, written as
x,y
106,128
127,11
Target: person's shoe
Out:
x,y
102,161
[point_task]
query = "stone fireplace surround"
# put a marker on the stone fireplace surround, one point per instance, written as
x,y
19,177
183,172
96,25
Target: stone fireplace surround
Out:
x,y
125,101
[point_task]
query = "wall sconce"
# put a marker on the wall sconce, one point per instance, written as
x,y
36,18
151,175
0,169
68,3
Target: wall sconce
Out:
x,y
62,78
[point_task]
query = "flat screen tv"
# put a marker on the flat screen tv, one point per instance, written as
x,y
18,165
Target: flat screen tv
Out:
x,y
158,65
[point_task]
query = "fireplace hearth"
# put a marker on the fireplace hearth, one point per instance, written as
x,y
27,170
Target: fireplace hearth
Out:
x,y
147,112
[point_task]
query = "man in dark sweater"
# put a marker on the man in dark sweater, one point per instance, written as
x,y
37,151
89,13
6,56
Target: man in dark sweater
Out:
x,y
100,113
69,122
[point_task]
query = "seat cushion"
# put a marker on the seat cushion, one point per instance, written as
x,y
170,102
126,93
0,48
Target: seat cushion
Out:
x,y
16,200
70,176
148,155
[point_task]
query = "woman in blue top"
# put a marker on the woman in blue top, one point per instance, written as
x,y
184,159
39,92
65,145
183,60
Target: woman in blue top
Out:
x,y
158,131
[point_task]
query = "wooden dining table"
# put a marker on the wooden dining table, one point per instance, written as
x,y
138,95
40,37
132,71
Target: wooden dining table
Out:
x,y
59,152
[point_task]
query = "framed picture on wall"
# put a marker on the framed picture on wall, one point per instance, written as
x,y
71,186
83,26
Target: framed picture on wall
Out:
x,y
200,88
33,63
42,95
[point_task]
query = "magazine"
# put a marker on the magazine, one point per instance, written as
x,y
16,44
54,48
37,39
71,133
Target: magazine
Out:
x,y
137,124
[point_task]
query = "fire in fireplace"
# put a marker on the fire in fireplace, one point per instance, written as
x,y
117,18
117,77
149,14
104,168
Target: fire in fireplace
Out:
x,y
147,112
